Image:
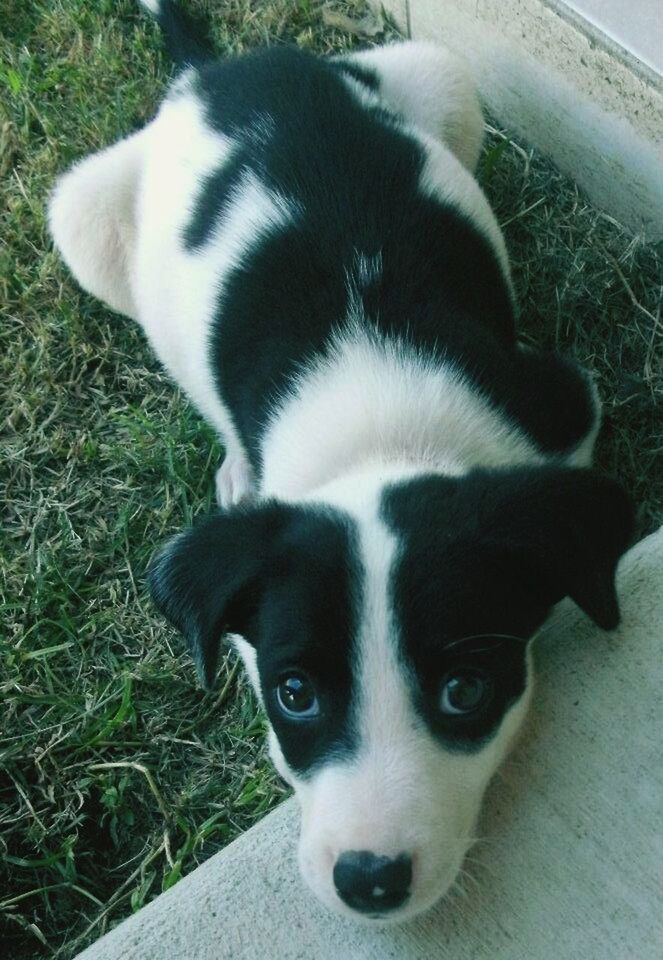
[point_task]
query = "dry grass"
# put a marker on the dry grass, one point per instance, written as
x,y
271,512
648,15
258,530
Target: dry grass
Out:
x,y
589,288
117,774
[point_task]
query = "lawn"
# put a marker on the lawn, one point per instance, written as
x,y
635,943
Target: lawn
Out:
x,y
117,773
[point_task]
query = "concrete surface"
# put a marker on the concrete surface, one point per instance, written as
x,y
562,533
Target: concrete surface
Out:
x,y
570,91
573,866
636,25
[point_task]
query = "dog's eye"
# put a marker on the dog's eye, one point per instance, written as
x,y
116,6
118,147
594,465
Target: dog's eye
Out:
x,y
464,692
296,697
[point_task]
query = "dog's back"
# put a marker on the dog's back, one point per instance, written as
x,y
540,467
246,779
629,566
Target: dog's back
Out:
x,y
284,216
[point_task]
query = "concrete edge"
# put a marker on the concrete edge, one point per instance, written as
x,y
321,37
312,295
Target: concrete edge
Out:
x,y
555,81
640,70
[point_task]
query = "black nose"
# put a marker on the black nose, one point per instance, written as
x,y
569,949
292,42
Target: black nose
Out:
x,y
372,884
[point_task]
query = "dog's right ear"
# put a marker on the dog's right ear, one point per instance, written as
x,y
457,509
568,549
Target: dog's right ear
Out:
x,y
207,581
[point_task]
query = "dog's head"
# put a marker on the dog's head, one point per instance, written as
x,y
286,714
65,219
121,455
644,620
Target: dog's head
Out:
x,y
386,632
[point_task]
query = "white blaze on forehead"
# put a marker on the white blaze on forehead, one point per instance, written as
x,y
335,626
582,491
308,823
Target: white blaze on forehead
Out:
x,y
383,711
401,780
400,791
380,798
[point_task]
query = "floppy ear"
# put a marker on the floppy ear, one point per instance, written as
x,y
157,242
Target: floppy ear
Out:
x,y
92,221
568,528
206,581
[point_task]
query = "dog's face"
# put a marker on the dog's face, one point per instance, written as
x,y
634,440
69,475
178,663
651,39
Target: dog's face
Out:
x,y
386,632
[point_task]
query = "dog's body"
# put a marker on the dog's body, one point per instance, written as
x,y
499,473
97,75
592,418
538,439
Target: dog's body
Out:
x,y
306,248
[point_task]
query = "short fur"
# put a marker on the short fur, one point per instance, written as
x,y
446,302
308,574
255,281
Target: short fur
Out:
x,y
406,487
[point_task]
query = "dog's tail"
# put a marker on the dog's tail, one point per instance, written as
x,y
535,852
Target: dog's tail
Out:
x,y
185,35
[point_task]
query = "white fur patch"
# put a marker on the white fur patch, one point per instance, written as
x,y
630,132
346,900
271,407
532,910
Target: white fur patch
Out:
x,y
583,454
93,222
431,89
361,92
248,654
233,481
367,270
376,400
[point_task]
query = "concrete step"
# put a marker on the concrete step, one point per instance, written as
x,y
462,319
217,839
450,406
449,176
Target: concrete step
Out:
x,y
636,26
571,90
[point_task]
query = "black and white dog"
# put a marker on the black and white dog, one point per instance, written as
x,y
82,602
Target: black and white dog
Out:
x,y
406,491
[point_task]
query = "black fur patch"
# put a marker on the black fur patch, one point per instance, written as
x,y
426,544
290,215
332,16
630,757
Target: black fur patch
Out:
x,y
483,559
354,175
288,580
215,195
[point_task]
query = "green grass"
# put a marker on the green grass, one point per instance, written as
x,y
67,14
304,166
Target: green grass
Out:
x,y
117,774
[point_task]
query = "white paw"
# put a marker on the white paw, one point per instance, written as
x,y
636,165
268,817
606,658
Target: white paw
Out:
x,y
234,481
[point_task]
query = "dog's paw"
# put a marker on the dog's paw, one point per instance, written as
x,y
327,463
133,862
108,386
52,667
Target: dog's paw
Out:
x,y
234,482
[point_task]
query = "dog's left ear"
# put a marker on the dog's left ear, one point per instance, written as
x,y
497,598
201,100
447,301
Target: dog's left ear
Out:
x,y
567,530
207,581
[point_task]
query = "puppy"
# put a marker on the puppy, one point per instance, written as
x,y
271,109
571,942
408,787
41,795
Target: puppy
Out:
x,y
406,491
